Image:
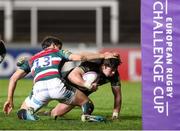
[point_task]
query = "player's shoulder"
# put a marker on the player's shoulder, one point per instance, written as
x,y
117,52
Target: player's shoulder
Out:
x,y
89,64
22,60
97,61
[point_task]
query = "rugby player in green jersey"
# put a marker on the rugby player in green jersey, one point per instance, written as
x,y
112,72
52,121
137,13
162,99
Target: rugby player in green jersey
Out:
x,y
45,68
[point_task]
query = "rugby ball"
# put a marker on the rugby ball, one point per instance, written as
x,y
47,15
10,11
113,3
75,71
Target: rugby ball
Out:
x,y
90,77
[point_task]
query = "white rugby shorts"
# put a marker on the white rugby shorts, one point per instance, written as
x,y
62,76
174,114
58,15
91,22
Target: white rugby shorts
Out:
x,y
44,91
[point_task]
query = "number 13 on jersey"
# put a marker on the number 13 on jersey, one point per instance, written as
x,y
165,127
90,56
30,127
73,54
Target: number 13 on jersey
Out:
x,y
42,62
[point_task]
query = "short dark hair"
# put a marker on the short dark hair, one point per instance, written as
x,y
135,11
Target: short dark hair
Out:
x,y
50,40
112,62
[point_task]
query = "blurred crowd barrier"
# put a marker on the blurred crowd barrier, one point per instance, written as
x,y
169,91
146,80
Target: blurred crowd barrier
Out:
x,y
130,70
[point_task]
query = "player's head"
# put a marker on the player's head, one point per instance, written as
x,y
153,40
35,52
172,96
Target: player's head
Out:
x,y
51,40
109,66
2,51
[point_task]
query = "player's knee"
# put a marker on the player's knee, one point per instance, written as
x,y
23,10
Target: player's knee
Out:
x,y
54,114
88,107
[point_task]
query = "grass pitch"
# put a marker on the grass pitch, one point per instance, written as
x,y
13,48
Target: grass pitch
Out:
x,y
130,117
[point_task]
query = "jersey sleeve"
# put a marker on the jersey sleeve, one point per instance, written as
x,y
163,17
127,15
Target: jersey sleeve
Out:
x,y
65,54
115,80
24,65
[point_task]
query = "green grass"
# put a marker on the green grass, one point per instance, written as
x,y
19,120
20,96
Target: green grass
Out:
x,y
130,117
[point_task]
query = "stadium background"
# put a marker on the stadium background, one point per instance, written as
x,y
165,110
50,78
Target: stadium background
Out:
x,y
77,30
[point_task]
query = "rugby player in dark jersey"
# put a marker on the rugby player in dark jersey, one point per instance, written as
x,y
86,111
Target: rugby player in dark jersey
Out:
x,y
107,72
2,50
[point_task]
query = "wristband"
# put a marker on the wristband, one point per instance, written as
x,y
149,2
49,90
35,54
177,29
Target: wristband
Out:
x,y
115,114
87,85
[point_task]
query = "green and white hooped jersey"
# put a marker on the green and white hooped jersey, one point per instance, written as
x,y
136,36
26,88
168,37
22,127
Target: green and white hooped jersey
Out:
x,y
46,64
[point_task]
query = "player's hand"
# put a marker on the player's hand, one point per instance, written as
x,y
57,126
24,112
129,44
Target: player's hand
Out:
x,y
115,54
8,106
111,55
115,115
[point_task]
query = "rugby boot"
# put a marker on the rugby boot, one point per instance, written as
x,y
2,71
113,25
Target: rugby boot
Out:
x,y
91,118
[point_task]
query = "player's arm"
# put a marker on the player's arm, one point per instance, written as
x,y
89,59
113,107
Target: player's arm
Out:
x,y
8,105
22,71
91,56
75,76
117,101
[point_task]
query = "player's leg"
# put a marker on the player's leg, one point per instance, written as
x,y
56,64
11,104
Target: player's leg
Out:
x,y
87,107
61,109
33,102
27,112
79,99
71,96
82,100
